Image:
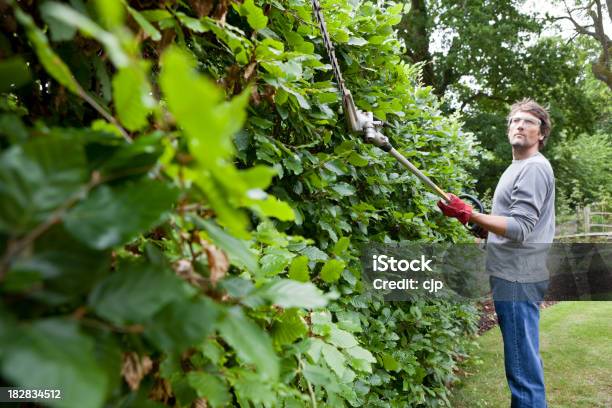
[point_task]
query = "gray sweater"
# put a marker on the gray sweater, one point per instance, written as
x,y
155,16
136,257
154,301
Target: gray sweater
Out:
x,y
525,195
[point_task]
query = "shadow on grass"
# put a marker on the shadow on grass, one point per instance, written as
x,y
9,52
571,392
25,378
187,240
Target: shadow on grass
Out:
x,y
576,345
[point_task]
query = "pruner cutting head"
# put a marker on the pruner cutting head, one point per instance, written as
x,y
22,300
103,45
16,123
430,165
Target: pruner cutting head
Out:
x,y
363,123
357,119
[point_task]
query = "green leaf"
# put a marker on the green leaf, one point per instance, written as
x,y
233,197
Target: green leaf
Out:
x,y
223,190
301,100
390,363
377,39
48,58
111,12
114,216
334,358
236,249
12,126
251,343
341,338
135,292
269,205
298,270
358,160
145,25
358,41
343,189
105,88
255,16
342,245
269,235
211,387
182,324
258,176
132,96
314,348
13,73
349,321
209,122
233,37
287,293
318,375
108,355
36,178
299,44
8,331
156,15
249,386
59,30
275,261
59,260
360,358
314,254
191,23
213,351
332,270
293,163
289,328
70,16
53,354
133,158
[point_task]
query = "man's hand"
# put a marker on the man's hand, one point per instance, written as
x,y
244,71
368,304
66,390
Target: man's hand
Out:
x,y
479,232
456,208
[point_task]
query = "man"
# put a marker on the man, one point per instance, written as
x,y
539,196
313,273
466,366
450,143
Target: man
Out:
x,y
520,228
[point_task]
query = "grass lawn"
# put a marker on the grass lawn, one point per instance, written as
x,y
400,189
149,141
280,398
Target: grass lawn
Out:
x,y
576,347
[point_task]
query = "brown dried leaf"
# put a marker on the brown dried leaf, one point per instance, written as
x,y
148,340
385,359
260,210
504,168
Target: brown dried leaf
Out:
x,y
249,71
161,391
168,36
233,77
202,7
200,403
269,93
218,264
184,269
79,313
60,99
255,96
221,11
134,368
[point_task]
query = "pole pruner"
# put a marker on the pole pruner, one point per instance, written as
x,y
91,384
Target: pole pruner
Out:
x,y
363,124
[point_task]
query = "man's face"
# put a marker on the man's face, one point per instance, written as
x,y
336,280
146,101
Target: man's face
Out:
x,y
524,130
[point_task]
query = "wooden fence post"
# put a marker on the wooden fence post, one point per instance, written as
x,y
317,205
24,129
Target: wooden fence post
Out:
x,y
587,219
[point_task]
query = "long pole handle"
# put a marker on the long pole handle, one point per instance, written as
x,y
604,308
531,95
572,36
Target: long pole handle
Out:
x,y
360,121
426,180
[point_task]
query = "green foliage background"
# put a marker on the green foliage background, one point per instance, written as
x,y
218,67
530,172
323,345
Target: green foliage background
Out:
x,y
181,207
482,56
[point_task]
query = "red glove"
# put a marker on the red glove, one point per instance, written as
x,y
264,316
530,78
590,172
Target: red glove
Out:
x,y
456,208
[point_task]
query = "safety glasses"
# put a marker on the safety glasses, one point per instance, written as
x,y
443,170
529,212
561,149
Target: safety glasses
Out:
x,y
528,122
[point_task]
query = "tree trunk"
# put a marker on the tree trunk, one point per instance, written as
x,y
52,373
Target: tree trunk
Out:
x,y
414,29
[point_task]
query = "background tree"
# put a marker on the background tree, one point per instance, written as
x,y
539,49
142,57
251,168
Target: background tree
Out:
x,y
592,18
483,57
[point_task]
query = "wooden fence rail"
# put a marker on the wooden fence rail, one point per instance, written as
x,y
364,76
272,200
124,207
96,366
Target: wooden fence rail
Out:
x,y
588,223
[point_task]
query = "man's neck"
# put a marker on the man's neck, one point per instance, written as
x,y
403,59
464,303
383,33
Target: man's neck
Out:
x,y
522,154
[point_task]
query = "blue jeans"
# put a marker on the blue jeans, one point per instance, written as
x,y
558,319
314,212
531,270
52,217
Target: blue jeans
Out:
x,y
518,313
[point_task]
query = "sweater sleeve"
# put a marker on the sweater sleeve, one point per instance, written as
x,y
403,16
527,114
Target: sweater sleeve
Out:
x,y
527,199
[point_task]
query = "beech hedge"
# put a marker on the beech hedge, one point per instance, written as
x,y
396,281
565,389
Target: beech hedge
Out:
x,y
181,206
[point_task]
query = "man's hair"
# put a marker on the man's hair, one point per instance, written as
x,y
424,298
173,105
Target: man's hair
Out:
x,y
537,110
